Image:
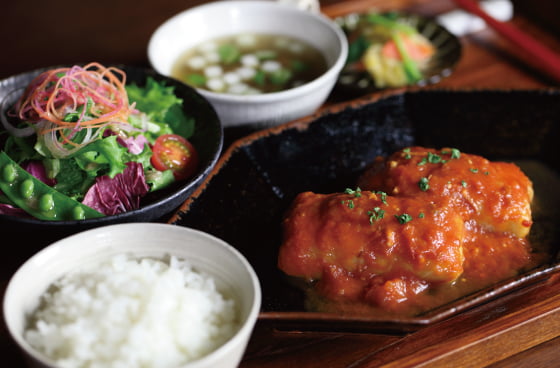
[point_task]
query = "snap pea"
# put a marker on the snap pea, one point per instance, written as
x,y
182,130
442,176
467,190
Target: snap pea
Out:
x,y
37,198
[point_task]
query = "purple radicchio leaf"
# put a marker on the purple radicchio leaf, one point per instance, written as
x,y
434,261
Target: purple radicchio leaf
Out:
x,y
122,193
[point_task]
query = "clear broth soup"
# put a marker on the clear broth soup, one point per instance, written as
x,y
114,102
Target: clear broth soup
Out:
x,y
250,63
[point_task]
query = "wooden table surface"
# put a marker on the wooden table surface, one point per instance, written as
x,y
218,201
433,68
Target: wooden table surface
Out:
x,y
519,330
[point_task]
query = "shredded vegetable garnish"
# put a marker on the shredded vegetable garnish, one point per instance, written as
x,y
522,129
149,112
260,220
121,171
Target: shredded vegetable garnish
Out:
x,y
61,102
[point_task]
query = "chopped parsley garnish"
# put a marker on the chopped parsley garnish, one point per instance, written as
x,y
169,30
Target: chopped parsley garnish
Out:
x,y
375,215
432,158
421,215
356,193
407,153
423,184
383,196
404,218
464,183
454,152
474,170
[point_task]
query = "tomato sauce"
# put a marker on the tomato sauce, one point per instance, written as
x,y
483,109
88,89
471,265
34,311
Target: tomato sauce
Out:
x,y
423,227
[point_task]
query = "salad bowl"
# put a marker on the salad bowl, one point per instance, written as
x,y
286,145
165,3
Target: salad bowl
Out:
x,y
207,137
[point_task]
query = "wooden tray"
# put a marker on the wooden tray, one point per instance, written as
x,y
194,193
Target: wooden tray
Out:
x,y
512,331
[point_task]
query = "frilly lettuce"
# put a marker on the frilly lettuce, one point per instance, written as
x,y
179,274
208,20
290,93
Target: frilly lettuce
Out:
x,y
162,107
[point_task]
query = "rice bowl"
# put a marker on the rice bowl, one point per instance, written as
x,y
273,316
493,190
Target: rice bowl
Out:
x,y
137,298
89,317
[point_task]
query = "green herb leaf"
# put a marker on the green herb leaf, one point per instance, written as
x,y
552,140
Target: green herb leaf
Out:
x,y
407,153
383,196
356,193
433,158
280,76
259,78
453,152
375,215
404,218
424,184
195,79
229,53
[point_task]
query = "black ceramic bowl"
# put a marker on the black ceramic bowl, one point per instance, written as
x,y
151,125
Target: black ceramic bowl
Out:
x,y
207,138
354,80
245,197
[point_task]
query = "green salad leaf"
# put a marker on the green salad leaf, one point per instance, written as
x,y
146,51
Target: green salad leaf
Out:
x,y
163,108
154,99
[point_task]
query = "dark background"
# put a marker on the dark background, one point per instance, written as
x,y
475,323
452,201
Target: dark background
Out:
x,y
38,34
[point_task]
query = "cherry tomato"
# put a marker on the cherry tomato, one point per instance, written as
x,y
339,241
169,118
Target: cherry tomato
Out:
x,y
171,151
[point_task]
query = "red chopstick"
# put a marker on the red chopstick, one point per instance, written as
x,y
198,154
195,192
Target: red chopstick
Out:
x,y
549,60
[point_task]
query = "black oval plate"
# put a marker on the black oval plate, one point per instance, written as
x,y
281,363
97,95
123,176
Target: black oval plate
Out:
x,y
355,81
207,138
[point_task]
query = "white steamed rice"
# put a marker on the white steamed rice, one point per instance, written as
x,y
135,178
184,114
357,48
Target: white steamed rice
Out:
x,y
132,313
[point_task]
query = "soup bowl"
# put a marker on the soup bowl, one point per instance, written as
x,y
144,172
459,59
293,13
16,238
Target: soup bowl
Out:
x,y
208,22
